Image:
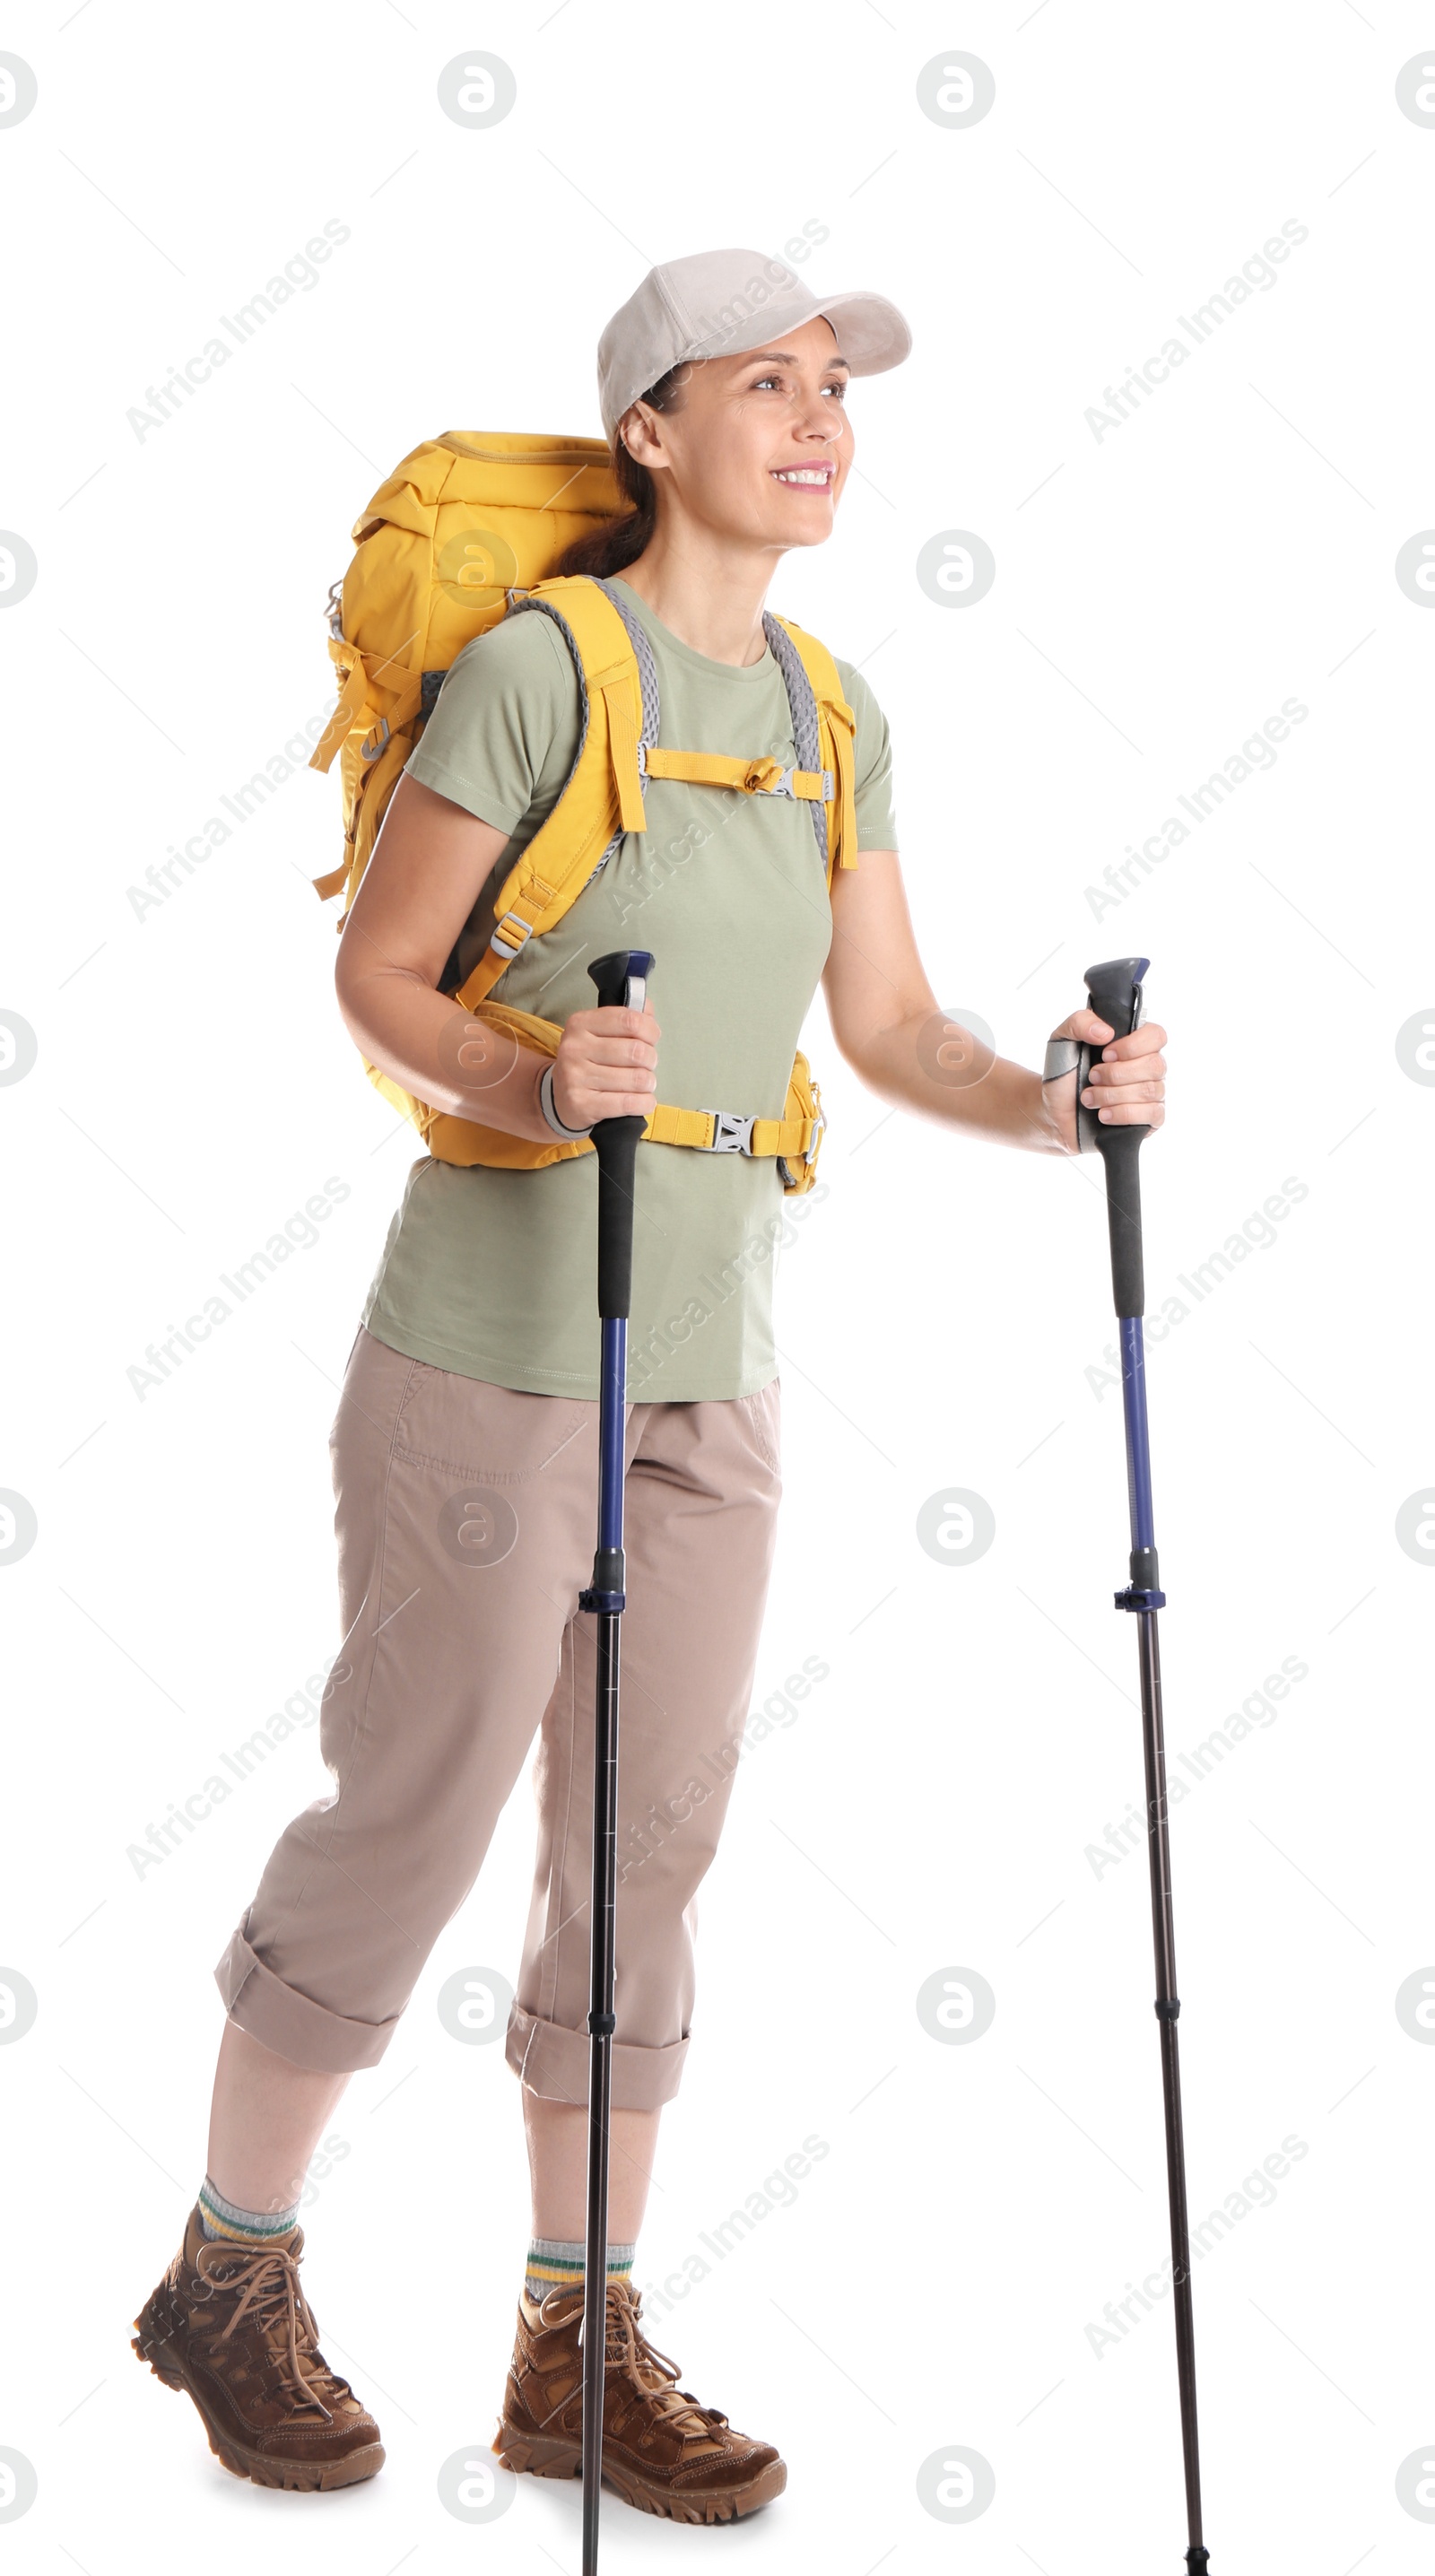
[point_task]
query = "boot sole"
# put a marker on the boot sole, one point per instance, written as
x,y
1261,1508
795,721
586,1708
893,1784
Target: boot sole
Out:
x,y
546,2455
302,2477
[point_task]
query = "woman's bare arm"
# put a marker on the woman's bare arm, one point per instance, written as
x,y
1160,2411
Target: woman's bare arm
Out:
x,y
889,1026
430,864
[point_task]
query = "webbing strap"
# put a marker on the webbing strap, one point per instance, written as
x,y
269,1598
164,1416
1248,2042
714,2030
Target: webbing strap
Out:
x,y
371,677
623,749
352,695
765,777
700,1128
515,927
843,726
637,635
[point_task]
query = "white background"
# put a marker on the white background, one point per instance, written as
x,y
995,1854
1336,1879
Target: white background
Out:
x,y
1160,591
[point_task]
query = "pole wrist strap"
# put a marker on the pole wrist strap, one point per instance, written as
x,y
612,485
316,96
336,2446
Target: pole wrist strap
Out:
x,y
1068,1055
545,1102
1063,1055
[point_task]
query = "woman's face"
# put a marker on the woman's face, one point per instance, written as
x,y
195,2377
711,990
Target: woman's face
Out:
x,y
759,447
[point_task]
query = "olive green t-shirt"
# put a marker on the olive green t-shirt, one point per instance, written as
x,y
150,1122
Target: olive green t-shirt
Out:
x,y
494,1273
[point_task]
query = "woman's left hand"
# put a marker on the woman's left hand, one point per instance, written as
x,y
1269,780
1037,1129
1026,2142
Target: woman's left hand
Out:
x,y
1127,1087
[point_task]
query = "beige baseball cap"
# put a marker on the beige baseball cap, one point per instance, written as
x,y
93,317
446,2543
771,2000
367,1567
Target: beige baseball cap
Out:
x,y
719,303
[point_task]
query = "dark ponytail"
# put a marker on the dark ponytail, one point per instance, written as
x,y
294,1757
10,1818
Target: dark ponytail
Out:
x,y
616,543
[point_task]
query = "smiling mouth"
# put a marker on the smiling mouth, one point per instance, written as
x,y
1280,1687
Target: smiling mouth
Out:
x,y
805,478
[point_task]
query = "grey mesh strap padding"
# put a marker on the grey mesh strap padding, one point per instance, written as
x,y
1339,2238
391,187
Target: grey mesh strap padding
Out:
x,y
805,734
517,602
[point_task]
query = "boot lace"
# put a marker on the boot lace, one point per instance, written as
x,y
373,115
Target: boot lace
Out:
x,y
648,2368
654,2376
265,2288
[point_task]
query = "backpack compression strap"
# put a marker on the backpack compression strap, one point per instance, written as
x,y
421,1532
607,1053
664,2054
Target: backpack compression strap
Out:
x,y
379,696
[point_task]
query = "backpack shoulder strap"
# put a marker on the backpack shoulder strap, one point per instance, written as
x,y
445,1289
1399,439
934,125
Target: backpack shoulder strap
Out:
x,y
836,727
602,797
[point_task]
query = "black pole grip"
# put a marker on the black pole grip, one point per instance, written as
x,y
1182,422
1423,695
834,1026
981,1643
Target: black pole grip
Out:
x,y
615,1142
1114,992
1121,1153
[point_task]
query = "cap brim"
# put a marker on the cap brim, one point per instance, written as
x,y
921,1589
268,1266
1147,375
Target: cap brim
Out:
x,y
871,333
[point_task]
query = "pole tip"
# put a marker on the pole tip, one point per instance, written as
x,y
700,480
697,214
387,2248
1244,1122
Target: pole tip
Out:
x,y
1198,2559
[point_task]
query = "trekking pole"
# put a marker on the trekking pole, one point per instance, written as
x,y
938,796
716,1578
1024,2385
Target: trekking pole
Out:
x,y
621,979
1115,995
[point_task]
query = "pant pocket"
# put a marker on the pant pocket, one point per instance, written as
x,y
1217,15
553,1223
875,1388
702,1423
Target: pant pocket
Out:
x,y
486,1434
763,1413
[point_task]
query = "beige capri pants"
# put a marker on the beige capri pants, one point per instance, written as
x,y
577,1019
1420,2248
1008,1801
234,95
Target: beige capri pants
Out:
x,y
466,1516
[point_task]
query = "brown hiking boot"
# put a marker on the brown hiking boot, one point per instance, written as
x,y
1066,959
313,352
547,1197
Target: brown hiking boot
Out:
x,y
230,2325
662,2451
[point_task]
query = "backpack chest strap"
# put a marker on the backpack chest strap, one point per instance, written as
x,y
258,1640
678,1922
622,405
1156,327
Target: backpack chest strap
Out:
x,y
765,777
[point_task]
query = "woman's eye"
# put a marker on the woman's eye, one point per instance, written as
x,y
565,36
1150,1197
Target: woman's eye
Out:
x,y
760,384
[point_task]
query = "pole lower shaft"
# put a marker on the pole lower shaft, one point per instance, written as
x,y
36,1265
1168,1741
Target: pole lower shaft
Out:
x,y
605,1596
1168,2008
602,1916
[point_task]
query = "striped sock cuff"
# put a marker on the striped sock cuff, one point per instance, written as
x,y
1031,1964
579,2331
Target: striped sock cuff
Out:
x,y
560,2263
224,2218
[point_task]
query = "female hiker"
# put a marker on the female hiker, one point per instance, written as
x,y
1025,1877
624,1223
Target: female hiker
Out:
x,y
464,1447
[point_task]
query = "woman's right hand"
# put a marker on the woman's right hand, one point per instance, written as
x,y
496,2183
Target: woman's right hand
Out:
x,y
606,1066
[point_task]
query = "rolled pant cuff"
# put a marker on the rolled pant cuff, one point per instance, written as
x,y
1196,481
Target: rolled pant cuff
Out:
x,y
554,2062
293,2025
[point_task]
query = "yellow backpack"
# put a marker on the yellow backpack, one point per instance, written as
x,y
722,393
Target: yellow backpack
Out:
x,y
461,535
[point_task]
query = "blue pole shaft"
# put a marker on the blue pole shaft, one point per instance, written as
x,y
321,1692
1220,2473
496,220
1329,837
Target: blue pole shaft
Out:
x,y
612,1392
1138,1438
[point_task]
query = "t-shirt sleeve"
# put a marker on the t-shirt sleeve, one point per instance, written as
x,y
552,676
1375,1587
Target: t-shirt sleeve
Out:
x,y
503,733
872,750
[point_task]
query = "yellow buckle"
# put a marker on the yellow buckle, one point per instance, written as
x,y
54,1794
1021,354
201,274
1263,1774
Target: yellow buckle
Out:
x,y
767,778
